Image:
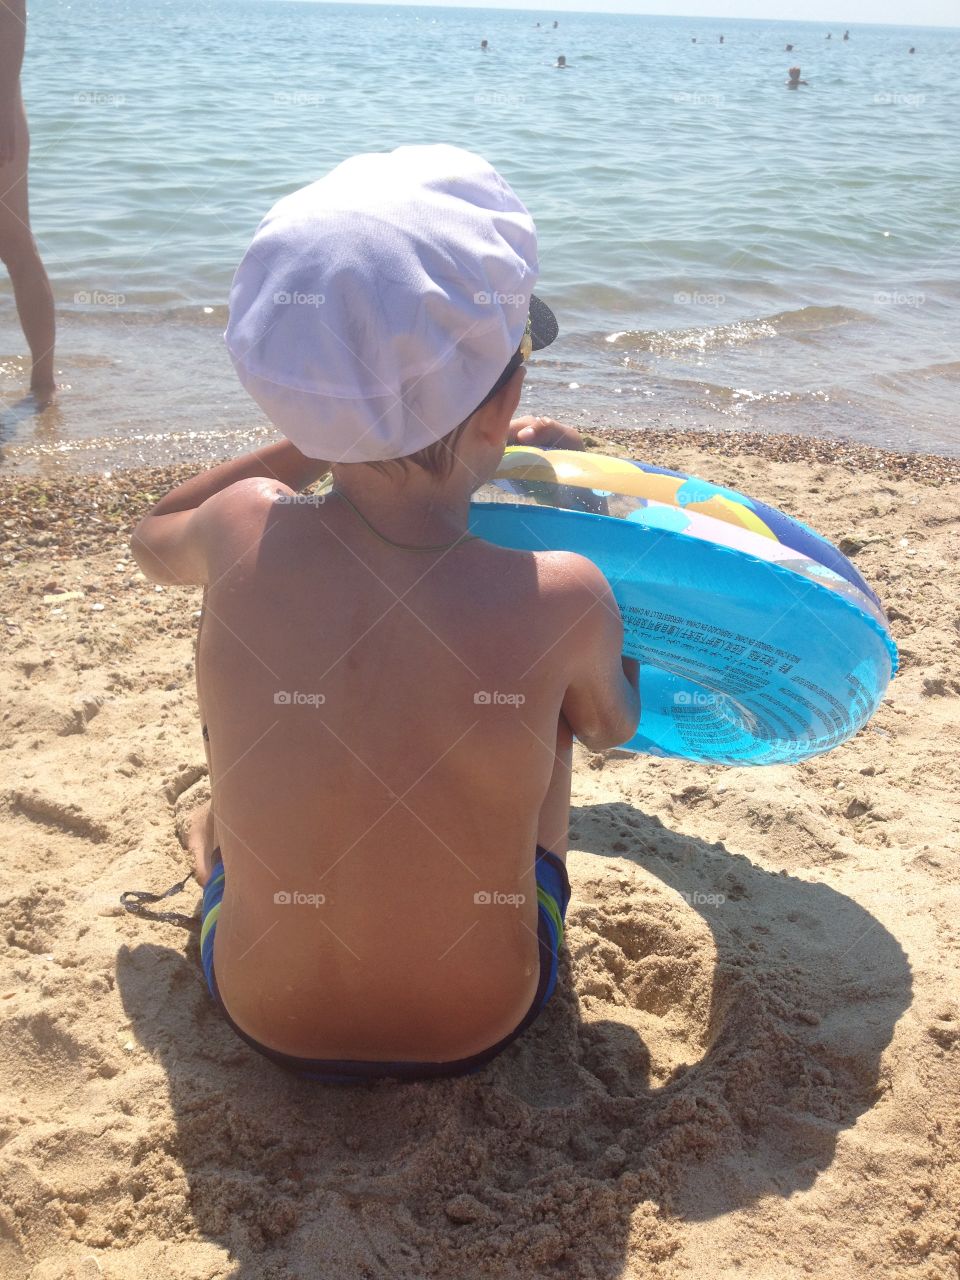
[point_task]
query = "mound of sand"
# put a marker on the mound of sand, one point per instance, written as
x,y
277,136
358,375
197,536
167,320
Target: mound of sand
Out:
x,y
751,1064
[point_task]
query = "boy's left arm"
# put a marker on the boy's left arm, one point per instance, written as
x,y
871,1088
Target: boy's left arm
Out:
x,y
170,543
543,433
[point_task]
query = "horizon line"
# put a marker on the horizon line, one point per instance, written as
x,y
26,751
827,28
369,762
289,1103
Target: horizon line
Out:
x,y
624,13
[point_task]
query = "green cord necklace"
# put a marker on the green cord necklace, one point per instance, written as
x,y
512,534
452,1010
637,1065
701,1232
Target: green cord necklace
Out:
x,y
400,546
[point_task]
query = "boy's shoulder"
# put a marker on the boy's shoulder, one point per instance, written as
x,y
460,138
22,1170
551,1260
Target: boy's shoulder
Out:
x,y
562,583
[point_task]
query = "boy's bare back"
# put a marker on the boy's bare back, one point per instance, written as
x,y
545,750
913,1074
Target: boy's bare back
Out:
x,y
382,734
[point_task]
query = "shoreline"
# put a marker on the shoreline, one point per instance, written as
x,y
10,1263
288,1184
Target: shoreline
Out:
x,y
85,512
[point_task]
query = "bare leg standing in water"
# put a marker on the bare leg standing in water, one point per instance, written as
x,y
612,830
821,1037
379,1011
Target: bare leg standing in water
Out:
x,y
18,249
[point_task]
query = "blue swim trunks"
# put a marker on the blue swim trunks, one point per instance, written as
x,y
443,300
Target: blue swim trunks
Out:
x,y
553,896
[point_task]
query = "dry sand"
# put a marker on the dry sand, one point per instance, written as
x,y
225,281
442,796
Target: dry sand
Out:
x,y
752,1064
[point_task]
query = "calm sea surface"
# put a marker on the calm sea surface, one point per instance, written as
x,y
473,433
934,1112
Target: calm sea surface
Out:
x,y
720,251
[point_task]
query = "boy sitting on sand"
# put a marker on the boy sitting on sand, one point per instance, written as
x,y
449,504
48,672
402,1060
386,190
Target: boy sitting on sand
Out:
x,y
387,702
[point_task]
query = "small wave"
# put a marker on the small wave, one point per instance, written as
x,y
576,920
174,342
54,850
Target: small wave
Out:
x,y
738,333
812,319
133,311
666,342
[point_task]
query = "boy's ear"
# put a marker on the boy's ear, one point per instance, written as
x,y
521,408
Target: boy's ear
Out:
x,y
492,422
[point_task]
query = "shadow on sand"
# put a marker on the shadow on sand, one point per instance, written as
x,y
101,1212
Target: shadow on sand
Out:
x,y
545,1156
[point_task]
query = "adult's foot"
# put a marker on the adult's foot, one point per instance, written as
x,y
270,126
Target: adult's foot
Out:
x,y
43,394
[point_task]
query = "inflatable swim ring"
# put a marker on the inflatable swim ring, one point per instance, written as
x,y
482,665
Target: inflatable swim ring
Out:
x,y
758,641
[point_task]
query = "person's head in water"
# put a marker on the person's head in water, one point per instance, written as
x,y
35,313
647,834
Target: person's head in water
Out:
x,y
721,39
912,49
788,48
561,62
829,35
794,81
484,46
555,25
846,35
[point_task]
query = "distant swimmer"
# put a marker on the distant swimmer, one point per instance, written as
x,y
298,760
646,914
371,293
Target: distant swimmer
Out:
x,y
794,82
912,49
693,39
788,48
484,46
555,25
829,35
721,39
561,63
846,35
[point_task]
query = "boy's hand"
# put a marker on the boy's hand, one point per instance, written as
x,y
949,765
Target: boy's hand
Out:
x,y
544,433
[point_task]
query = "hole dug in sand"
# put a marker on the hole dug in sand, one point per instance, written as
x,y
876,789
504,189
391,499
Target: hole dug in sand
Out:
x,y
643,964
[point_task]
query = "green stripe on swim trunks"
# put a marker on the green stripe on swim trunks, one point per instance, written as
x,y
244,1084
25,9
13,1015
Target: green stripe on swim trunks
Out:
x,y
553,911
209,920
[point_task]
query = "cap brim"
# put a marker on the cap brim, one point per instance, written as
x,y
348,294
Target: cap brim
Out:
x,y
543,324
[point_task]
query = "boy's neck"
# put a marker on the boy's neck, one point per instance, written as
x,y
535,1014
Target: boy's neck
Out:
x,y
413,507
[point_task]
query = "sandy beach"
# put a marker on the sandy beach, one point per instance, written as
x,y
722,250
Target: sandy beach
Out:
x,y
751,1067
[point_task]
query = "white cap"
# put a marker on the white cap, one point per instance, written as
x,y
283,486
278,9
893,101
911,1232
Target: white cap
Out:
x,y
377,307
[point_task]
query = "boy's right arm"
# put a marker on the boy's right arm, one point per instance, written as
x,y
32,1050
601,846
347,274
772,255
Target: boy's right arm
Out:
x,y
602,702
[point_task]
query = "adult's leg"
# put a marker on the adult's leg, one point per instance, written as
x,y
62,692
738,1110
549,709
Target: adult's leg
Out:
x,y
19,254
554,821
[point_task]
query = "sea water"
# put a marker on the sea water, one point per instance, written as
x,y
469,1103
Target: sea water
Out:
x,y
719,250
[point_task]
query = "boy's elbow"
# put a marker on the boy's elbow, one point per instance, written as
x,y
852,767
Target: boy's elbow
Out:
x,y
148,560
141,549
614,734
